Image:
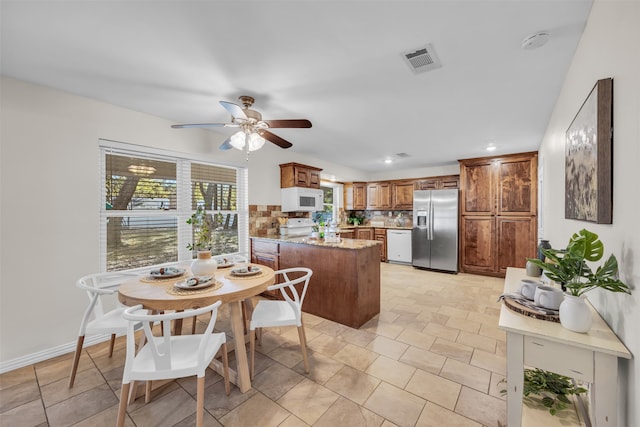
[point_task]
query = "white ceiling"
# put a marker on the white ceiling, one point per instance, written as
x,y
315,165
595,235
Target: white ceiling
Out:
x,y
336,63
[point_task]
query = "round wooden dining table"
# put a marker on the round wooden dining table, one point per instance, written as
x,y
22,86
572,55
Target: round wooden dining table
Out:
x,y
159,296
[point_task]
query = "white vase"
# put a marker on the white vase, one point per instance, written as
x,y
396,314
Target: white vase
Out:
x,y
575,314
204,265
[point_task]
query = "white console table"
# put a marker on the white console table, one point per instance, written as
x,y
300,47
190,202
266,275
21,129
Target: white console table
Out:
x,y
591,357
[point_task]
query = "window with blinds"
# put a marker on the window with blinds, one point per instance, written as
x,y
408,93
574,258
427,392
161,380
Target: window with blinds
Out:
x,y
148,197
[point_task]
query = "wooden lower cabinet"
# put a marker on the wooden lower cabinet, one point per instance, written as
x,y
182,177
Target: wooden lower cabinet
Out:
x,y
490,244
477,234
516,237
381,236
364,233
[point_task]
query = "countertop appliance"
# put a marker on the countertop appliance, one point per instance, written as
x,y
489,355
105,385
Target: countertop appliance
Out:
x,y
297,227
399,246
434,237
300,199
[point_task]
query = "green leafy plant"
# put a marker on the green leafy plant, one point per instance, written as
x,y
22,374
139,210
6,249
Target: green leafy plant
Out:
x,y
202,225
570,268
548,388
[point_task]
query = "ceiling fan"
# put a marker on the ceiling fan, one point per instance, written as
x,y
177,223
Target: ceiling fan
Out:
x,y
253,130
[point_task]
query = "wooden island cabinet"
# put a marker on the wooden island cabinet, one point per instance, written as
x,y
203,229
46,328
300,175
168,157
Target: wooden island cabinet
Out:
x,y
345,286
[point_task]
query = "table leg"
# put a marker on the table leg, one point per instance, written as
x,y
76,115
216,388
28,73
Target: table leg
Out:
x,y
604,391
237,327
515,378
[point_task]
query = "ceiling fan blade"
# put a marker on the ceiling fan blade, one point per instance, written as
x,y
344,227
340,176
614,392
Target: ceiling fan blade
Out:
x,y
234,109
205,125
226,145
282,143
293,123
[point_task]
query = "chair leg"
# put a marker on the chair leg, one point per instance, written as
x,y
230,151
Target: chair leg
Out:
x,y
252,350
133,391
225,370
111,344
259,332
200,402
193,325
147,391
303,348
76,360
122,408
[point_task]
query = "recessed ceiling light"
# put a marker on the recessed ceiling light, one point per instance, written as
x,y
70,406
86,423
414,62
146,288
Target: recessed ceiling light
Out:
x,y
491,148
387,161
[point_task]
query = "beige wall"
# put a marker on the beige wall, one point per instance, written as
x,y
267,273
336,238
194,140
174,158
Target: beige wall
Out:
x,y
608,48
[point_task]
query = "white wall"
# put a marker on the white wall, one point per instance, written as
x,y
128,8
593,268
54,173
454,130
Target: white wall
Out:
x,y
608,48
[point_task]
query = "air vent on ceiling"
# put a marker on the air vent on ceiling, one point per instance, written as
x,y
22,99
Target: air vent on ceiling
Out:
x,y
403,155
423,59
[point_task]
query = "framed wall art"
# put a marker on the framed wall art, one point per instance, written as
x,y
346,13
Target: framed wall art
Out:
x,y
589,158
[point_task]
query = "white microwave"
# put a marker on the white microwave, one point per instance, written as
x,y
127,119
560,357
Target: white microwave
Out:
x,y
299,199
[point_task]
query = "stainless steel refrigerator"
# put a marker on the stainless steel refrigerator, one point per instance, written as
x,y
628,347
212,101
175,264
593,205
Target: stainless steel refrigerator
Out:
x,y
434,238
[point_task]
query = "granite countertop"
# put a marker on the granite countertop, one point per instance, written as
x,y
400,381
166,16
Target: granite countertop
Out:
x,y
304,240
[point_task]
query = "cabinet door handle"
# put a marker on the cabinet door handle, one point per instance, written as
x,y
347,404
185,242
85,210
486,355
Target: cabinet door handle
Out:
x,y
577,372
537,343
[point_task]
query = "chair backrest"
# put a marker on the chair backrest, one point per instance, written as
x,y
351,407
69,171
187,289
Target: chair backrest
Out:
x,y
98,285
288,289
160,347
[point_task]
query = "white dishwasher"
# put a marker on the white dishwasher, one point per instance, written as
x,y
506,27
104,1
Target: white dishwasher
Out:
x,y
399,246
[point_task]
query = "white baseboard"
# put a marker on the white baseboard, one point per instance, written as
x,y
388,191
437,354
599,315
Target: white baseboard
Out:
x,y
49,353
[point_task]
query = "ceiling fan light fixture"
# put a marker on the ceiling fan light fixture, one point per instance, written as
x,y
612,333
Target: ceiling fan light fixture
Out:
x,y
239,141
255,142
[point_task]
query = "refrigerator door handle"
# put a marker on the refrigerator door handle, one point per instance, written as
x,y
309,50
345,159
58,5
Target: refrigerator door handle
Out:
x,y
431,209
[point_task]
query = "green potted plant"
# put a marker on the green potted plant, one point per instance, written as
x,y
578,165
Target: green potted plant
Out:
x,y
570,268
202,243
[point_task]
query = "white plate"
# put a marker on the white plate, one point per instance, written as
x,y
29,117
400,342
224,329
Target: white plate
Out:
x,y
226,264
203,282
243,271
166,272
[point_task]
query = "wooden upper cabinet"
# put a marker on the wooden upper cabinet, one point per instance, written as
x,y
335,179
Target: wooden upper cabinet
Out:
x,y
299,175
517,193
348,196
372,195
384,195
402,195
438,182
359,196
379,195
478,196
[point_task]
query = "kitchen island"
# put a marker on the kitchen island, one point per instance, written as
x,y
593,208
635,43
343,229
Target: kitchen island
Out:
x,y
345,286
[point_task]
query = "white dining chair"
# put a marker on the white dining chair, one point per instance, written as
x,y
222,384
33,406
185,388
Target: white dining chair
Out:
x,y
288,312
97,319
171,356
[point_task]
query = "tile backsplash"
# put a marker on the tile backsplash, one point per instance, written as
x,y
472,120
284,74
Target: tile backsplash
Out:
x,y
263,219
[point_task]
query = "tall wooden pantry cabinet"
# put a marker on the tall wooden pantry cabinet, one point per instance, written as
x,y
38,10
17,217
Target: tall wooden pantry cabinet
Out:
x,y
498,212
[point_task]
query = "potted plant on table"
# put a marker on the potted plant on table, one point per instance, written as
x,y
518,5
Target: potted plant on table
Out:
x,y
202,243
569,267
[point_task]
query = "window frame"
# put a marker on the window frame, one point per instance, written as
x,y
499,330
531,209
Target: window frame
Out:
x,y
183,209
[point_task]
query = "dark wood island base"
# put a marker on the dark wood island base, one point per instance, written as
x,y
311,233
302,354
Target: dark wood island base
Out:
x,y
345,286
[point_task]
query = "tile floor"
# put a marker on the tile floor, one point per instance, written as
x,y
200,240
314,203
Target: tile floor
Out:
x,y
432,357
